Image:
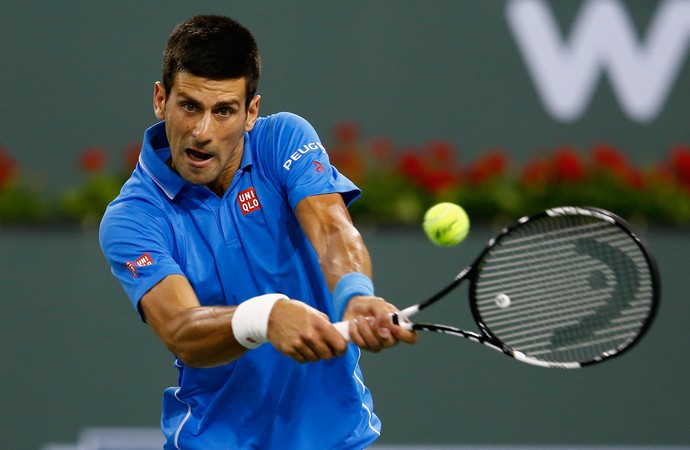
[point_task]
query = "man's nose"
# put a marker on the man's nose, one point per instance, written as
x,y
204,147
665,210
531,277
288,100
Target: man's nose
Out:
x,y
203,128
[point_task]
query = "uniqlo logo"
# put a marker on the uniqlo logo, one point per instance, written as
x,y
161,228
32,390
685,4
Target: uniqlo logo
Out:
x,y
144,260
248,201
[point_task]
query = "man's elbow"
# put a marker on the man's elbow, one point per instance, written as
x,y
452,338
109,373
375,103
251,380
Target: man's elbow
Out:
x,y
199,357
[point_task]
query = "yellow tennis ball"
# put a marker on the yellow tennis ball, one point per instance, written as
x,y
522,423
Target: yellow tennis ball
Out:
x,y
446,224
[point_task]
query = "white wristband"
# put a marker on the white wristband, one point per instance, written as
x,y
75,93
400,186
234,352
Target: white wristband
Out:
x,y
250,321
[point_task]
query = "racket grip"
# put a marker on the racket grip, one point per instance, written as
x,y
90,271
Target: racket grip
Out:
x,y
344,329
397,319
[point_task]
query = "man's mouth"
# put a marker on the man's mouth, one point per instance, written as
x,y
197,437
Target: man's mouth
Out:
x,y
196,155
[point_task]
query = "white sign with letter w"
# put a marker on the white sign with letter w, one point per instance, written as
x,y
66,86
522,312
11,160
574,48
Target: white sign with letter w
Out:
x,y
602,39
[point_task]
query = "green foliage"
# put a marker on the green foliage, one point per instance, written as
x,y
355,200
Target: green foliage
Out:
x,y
86,204
19,204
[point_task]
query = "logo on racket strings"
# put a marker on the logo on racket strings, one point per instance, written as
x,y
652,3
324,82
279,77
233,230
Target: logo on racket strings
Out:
x,y
623,288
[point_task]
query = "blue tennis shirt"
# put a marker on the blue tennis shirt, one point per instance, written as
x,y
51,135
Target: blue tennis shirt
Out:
x,y
245,244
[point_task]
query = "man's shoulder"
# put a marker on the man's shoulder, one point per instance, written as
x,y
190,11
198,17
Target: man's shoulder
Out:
x,y
139,195
281,121
283,131
138,212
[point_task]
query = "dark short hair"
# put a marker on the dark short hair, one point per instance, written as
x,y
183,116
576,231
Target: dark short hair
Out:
x,y
214,47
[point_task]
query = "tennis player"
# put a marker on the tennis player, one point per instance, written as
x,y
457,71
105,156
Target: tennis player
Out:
x,y
233,241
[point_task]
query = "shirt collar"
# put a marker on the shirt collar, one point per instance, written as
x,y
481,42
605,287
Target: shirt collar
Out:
x,y
247,159
156,151
154,154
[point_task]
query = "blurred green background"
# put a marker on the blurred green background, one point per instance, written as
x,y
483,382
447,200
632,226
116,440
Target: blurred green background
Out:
x,y
78,76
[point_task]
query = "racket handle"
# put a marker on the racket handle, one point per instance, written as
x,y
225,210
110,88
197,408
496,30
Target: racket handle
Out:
x,y
344,329
398,319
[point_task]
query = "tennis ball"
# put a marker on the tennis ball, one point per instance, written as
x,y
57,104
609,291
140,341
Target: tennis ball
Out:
x,y
446,224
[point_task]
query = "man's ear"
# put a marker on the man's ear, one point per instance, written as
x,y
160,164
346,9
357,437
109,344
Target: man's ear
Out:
x,y
252,113
159,98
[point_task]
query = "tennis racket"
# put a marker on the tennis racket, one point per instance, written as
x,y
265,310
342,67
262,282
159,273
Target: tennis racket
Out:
x,y
566,288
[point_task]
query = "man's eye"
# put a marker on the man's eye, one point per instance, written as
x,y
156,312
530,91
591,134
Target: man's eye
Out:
x,y
189,107
224,111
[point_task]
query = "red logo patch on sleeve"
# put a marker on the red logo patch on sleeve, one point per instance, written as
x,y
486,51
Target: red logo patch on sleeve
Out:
x,y
248,201
132,269
144,260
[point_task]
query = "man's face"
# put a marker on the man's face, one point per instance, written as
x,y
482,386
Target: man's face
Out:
x,y
205,121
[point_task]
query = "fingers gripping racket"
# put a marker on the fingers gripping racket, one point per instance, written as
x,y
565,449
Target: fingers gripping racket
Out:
x,y
566,288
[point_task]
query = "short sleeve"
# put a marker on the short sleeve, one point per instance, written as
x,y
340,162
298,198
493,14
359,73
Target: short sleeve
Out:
x,y
138,246
304,166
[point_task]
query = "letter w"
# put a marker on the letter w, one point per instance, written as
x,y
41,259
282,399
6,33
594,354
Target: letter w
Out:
x,y
602,39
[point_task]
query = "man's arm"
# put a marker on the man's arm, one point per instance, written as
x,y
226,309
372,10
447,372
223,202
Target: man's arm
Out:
x,y
199,336
202,336
341,250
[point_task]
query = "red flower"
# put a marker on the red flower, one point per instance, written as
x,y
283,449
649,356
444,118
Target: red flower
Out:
x,y
93,159
346,132
609,157
132,156
8,167
680,163
349,163
569,166
441,153
411,164
437,181
345,153
381,148
491,164
439,172
433,170
636,179
536,172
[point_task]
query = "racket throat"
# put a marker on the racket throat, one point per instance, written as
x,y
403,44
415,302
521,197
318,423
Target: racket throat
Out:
x,y
400,318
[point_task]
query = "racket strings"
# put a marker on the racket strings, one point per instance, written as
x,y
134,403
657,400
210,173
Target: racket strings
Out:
x,y
578,287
